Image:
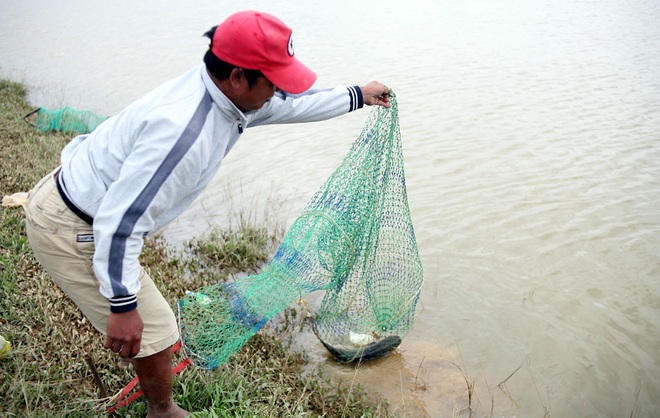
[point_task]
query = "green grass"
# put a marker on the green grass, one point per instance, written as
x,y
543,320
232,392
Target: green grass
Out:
x,y
240,249
47,374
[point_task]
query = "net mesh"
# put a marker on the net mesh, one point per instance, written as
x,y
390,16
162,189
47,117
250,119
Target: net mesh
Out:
x,y
354,239
66,119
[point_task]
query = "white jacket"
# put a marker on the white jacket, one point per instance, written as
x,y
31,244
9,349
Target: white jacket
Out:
x,y
141,169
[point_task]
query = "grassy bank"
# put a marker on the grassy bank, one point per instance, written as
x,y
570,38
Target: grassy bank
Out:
x,y
49,373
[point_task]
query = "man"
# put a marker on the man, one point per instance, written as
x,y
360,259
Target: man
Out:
x,y
140,169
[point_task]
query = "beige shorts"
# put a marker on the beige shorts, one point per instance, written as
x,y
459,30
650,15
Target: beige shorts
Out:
x,y
63,244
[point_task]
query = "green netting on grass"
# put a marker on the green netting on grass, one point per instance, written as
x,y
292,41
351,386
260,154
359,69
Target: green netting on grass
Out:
x,y
66,119
354,239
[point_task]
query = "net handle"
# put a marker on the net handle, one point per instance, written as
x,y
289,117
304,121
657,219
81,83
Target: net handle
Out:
x,y
25,118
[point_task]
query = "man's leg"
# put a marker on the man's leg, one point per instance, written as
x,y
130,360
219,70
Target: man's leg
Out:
x,y
56,236
155,373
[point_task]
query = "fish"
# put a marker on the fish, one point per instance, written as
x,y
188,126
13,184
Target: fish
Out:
x,y
351,354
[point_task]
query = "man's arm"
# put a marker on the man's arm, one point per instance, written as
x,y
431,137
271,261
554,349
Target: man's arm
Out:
x,y
319,104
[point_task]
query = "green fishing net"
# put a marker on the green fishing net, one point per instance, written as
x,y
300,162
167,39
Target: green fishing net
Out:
x,y
354,240
66,119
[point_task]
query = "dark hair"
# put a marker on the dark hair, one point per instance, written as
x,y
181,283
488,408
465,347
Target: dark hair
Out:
x,y
221,69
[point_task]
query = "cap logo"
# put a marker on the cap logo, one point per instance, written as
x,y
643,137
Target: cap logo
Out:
x,y
290,46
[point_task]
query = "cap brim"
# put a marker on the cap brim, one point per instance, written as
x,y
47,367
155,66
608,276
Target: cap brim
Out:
x,y
294,78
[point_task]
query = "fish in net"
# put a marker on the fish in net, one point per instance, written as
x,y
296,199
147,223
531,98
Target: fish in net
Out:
x,y
354,240
66,119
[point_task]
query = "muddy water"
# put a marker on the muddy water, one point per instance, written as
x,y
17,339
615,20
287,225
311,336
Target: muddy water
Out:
x,y
532,144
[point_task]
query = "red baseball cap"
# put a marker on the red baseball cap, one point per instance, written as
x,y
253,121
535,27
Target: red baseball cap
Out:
x,y
259,41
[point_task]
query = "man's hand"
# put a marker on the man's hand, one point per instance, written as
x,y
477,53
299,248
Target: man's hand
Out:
x,y
375,93
124,333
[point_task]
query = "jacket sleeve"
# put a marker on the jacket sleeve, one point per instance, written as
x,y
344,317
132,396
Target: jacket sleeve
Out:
x,y
153,175
310,106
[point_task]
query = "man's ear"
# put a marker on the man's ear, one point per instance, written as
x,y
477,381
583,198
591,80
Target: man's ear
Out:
x,y
236,77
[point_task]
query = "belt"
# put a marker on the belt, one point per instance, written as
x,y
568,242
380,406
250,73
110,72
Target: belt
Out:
x,y
60,188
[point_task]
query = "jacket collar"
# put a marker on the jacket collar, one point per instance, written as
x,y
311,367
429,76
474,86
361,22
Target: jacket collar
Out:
x,y
226,107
